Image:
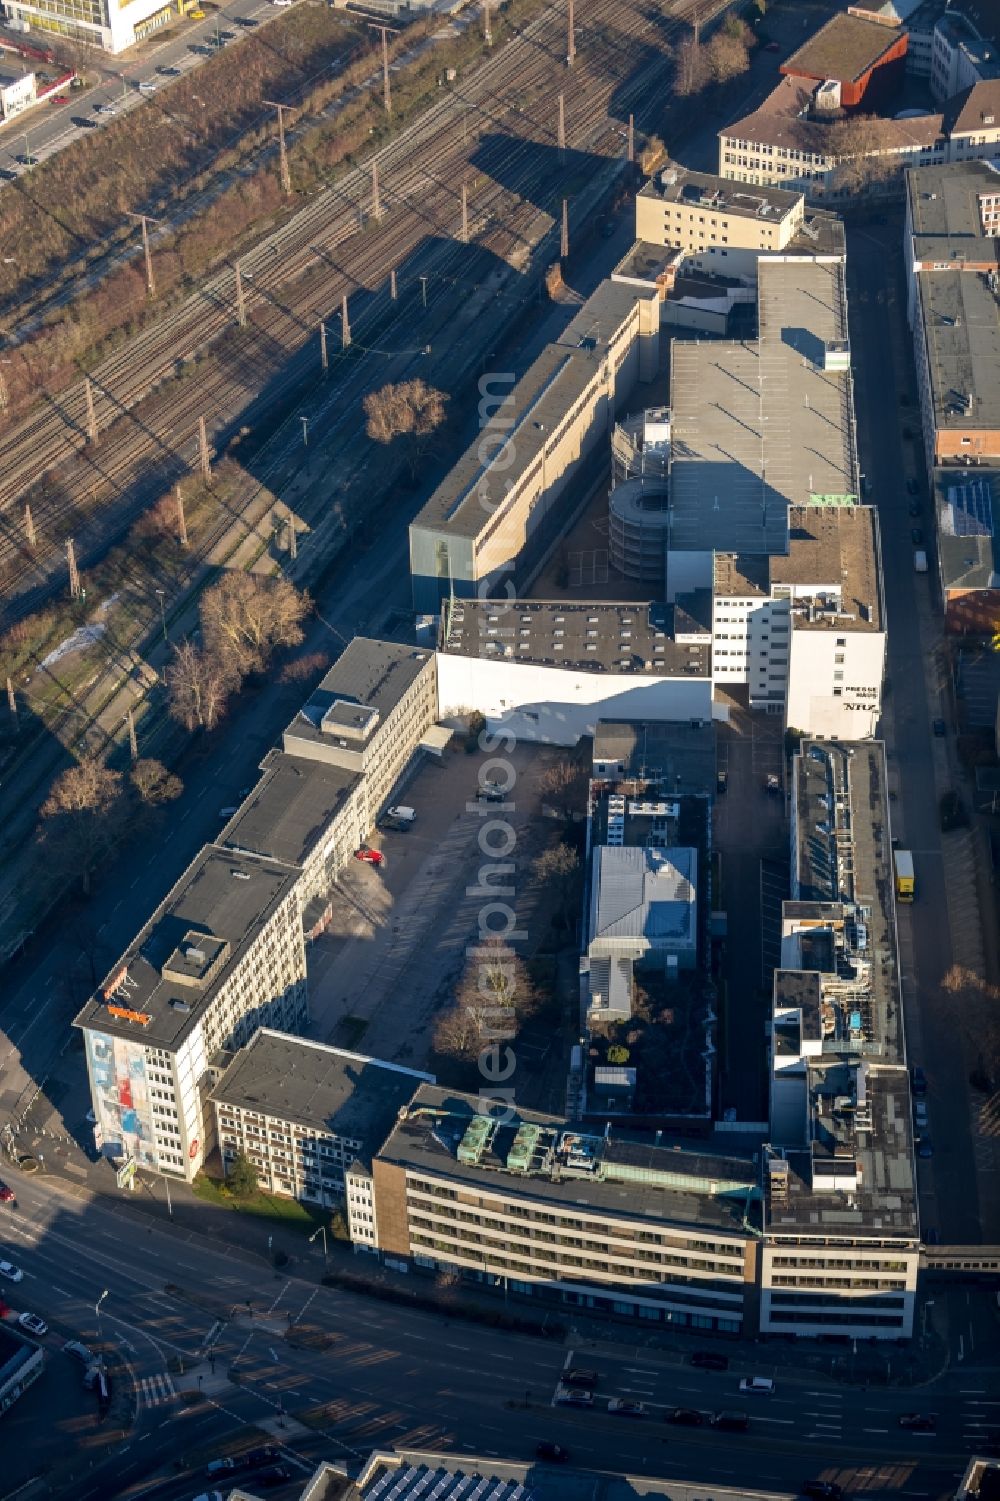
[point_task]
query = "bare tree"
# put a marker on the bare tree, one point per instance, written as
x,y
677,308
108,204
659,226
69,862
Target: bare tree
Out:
x,y
244,619
154,783
410,409
860,145
494,994
564,783
198,687
559,866
727,54
83,816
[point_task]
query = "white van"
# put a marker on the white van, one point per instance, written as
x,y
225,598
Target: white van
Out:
x,y
762,1386
402,814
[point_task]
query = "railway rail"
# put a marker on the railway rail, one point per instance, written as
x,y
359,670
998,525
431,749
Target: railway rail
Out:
x,y
497,132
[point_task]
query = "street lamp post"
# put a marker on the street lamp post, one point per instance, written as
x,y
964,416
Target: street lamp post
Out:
x,y
97,1311
163,612
320,1231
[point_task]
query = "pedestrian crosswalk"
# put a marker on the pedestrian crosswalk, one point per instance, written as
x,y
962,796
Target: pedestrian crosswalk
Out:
x,y
154,1390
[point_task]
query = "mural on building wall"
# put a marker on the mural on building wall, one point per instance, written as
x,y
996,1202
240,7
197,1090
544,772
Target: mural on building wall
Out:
x,y
118,1069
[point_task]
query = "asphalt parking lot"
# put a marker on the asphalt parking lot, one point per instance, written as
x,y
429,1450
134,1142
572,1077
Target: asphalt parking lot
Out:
x,y
397,943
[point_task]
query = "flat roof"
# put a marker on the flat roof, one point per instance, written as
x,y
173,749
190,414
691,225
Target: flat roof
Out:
x,y
681,757
846,48
843,855
221,896
967,502
832,548
757,427
635,1178
601,636
467,498
673,183
370,674
959,311
289,809
324,1089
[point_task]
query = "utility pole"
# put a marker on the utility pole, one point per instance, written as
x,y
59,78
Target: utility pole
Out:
x,y
630,152
423,290
4,399
376,198
570,37
386,88
88,390
29,527
12,701
324,359
465,214
74,576
182,531
561,137
145,219
564,236
345,327
241,307
286,180
204,456
133,746
393,288
305,431
293,540
487,32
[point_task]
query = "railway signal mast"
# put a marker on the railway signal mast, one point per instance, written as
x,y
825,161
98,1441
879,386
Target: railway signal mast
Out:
x,y
286,178
570,37
386,31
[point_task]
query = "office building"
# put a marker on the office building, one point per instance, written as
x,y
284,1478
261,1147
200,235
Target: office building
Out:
x,y
858,57
643,910
222,955
501,508
672,757
842,1242
547,671
792,141
17,92
515,1199
304,1113
113,25
967,509
953,306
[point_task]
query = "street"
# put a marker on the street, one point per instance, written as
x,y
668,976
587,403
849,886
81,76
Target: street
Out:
x,y
320,1370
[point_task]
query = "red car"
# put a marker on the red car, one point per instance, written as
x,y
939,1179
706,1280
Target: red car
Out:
x,y
374,857
7,1195
60,98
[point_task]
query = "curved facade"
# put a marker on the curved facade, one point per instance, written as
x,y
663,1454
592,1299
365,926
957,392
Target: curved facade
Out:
x,y
639,518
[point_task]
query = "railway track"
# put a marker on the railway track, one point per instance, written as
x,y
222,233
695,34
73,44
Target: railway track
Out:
x,y
498,133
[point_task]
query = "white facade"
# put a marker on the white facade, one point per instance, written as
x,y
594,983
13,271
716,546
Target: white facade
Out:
x,y
16,94
113,25
148,1099
360,1197
556,705
959,57
855,1276
750,636
834,686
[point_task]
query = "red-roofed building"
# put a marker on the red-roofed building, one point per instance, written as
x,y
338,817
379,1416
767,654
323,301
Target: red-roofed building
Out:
x,y
862,53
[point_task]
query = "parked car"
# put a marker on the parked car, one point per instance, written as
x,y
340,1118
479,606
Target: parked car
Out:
x,y
7,1195
822,1490
773,784
60,98
491,792
732,1422
918,1422
401,814
760,1386
553,1453
579,1376
220,1466
79,1352
940,728
264,1454
710,1360
628,1407
690,1417
722,781
10,1271
925,1147
371,857
33,1324
273,1475
920,1117
918,1079
916,536
911,486
914,508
